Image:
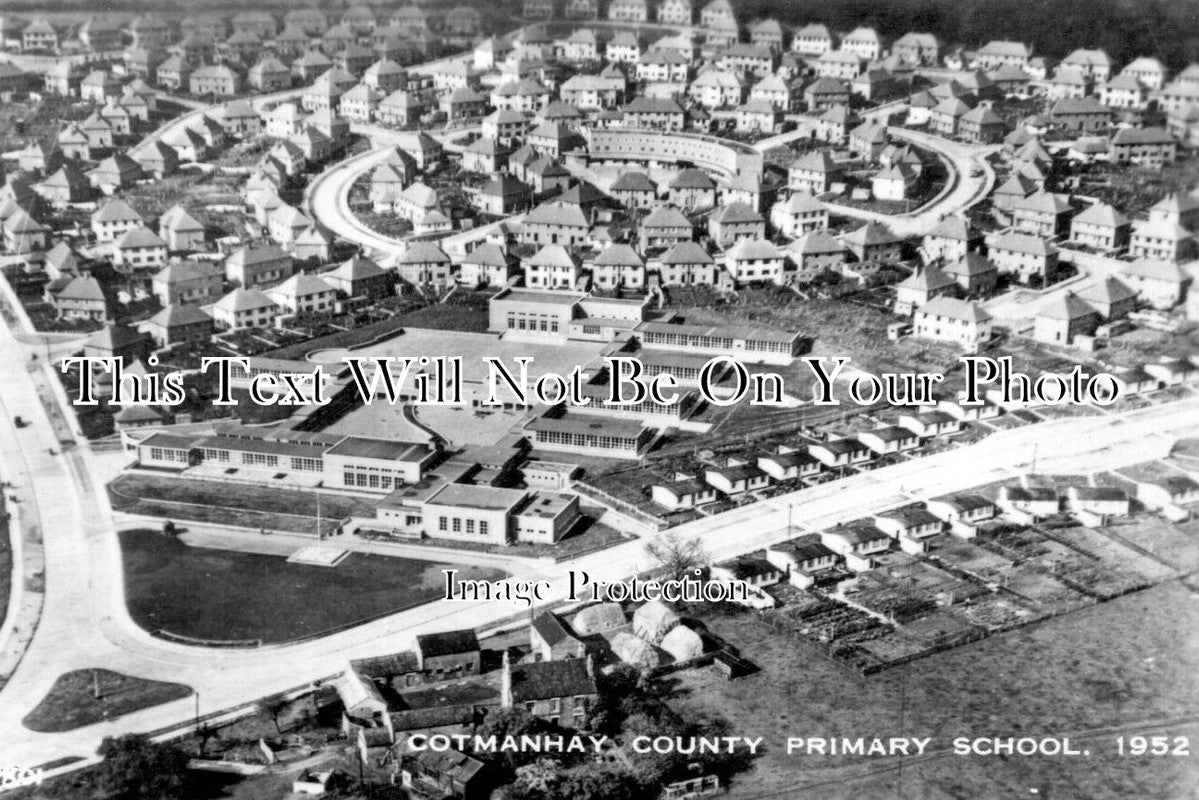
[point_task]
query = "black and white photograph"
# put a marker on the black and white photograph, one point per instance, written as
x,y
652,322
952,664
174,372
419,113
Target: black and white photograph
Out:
x,y
599,399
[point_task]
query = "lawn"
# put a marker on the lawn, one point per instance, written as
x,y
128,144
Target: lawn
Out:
x,y
223,595
241,505
1129,662
73,703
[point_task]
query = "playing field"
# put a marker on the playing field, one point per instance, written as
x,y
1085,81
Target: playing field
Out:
x,y
222,595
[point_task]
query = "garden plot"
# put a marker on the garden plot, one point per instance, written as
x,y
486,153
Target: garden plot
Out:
x,y
1045,592
996,613
1176,544
973,560
1104,544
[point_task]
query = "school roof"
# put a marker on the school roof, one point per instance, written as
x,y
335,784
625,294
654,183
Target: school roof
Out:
x,y
381,449
484,498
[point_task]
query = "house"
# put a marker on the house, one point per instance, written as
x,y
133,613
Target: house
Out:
x,y
684,492
114,218
754,571
618,267
486,265
948,319
560,692
551,267
835,453
303,294
423,264
655,113
634,190
1101,501
930,423
117,341
733,222
665,226
949,240
1110,297
1060,321
921,286
873,243
856,542
1157,283
753,260
259,265
1160,240
758,116
813,174
1023,255
139,248
243,308
917,48
550,639
998,53
218,80
799,214
802,559
736,479
961,508
912,522
826,93
1167,491
179,324
556,223
813,40
1145,147
82,298
23,233
889,439
816,253
182,282
686,263
1080,114
1101,226
448,653
1044,213
1031,502
841,64
981,125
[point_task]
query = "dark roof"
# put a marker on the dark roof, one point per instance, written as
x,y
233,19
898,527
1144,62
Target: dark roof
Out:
x,y
548,679
551,629
447,643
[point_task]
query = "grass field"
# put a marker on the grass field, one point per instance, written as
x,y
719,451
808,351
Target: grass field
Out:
x,y
1129,662
240,505
72,701
222,595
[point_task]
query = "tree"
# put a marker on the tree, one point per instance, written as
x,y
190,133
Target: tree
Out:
x,y
168,528
676,556
134,768
273,706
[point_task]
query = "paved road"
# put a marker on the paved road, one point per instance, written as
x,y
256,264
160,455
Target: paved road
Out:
x,y
85,623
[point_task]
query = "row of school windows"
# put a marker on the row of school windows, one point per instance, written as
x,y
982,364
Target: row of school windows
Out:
x,y
586,440
530,323
372,480
456,525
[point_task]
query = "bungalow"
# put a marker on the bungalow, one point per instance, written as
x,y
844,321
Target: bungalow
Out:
x,y
961,508
840,452
685,491
736,478
1031,502
926,424
889,439
1167,491
789,463
912,522
856,542
748,569
1102,501
801,559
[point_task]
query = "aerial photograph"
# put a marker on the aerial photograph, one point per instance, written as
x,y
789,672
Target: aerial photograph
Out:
x,y
599,399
